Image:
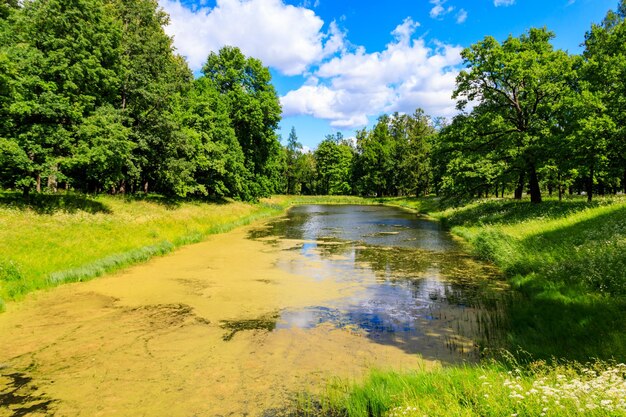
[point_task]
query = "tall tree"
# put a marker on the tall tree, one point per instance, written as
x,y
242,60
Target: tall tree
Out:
x,y
333,160
605,73
215,158
376,159
413,153
254,110
65,57
516,84
151,76
293,155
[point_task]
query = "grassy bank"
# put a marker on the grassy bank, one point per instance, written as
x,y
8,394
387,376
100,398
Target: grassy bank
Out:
x,y
488,390
567,260
52,239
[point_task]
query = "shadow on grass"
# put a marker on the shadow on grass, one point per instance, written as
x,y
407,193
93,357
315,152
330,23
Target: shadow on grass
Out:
x,y
52,203
550,326
174,202
571,280
74,202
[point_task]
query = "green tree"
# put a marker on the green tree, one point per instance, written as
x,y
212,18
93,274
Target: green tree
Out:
x,y
413,149
151,79
254,110
333,162
307,170
375,165
471,170
605,73
292,165
214,154
103,152
516,85
64,59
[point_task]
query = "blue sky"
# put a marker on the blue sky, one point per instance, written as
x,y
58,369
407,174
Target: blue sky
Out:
x,y
338,64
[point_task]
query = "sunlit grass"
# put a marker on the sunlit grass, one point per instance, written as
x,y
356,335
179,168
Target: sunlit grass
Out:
x,y
52,239
598,389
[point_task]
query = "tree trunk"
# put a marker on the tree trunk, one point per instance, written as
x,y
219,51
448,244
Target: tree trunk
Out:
x,y
145,187
503,187
533,182
560,188
601,188
26,192
497,190
38,182
519,190
52,179
590,184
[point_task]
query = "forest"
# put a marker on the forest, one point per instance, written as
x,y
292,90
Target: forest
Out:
x,y
94,98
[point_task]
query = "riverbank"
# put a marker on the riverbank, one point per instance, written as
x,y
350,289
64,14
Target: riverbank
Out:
x,y
53,239
494,390
567,261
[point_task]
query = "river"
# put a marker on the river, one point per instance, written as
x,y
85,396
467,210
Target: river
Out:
x,y
243,322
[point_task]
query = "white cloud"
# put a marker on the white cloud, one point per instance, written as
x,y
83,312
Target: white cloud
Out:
x,y
505,3
461,16
285,37
349,88
439,10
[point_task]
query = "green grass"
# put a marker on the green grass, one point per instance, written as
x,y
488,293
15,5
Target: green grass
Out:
x,y
53,239
598,389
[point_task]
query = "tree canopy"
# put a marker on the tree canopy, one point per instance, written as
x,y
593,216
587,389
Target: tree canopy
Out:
x,y
94,98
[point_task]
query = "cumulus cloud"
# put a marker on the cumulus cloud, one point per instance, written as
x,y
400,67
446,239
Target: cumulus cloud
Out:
x,y
461,16
285,37
505,3
439,10
349,88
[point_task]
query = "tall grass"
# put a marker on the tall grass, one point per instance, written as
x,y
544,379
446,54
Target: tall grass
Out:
x,y
598,389
52,239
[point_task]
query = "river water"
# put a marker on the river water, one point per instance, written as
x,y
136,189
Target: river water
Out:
x,y
241,323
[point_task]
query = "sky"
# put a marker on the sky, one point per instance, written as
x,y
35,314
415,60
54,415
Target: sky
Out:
x,y
339,64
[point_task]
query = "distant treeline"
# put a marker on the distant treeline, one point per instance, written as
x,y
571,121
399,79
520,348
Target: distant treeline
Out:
x,y
93,98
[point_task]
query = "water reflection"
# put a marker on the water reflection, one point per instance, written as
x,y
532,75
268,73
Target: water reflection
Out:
x,y
407,283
